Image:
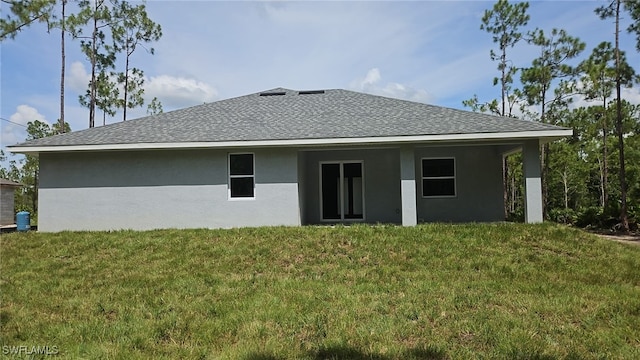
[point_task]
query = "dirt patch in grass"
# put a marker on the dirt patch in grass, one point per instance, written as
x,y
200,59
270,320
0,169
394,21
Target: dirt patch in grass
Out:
x,y
633,239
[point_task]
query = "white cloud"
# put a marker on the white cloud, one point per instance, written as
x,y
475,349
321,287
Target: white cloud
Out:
x,y
373,76
408,93
15,131
371,84
77,77
25,113
176,92
173,92
632,95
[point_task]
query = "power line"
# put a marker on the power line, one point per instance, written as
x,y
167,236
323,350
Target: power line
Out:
x,y
13,122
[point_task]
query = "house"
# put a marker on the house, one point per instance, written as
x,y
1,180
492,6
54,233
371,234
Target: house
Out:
x,y
287,157
7,197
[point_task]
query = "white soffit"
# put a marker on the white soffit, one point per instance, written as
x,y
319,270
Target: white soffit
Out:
x,y
544,136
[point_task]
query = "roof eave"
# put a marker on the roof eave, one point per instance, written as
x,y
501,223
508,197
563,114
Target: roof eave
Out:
x,y
543,135
15,185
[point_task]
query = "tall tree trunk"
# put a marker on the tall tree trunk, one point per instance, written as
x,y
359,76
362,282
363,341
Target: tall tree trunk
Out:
x,y
504,79
544,159
624,220
602,190
505,186
126,86
94,50
34,198
62,69
605,161
513,193
505,164
565,183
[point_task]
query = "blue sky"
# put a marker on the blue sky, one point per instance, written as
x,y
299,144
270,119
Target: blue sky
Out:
x,y
427,51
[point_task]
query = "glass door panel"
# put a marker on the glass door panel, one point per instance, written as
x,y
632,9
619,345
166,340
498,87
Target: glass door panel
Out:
x,y
352,193
342,191
331,192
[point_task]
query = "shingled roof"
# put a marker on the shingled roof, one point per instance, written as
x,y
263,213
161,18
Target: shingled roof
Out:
x,y
290,115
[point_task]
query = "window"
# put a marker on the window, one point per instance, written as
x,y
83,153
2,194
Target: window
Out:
x,y
241,176
438,177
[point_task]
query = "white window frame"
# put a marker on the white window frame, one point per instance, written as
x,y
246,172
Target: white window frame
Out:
x,y
454,177
342,218
253,176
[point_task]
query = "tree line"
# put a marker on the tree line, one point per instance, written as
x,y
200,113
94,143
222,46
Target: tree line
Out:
x,y
108,32
593,178
26,170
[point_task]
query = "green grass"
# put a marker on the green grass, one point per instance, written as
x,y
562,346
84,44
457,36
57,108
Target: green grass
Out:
x,y
361,292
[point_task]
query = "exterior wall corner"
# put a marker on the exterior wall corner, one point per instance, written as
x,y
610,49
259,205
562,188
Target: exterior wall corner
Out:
x,y
408,186
532,182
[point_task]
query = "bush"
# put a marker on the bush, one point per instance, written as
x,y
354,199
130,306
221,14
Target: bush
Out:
x,y
633,213
516,216
590,217
563,216
596,217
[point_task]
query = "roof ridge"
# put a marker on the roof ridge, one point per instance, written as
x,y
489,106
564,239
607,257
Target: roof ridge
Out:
x,y
275,90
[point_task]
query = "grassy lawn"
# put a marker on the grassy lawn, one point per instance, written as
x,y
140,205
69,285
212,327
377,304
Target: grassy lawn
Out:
x,y
361,292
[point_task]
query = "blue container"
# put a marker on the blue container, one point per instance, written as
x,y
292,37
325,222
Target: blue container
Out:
x,y
23,220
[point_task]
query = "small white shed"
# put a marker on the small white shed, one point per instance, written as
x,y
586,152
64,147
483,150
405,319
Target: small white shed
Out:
x,y
7,196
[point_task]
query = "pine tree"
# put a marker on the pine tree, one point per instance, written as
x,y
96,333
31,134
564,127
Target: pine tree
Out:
x,y
97,15
613,10
134,30
539,80
23,13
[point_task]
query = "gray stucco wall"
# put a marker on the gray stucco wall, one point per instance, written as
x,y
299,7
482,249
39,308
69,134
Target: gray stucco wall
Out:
x,y
163,189
381,182
478,185
188,188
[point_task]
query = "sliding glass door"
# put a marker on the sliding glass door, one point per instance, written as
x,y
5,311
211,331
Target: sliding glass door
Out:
x,y
342,190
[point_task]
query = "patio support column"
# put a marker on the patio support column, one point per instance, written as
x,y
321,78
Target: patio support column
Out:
x,y
532,181
408,186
